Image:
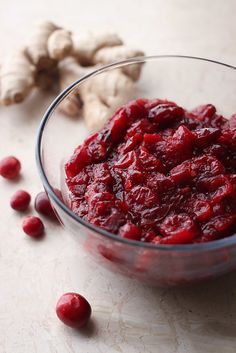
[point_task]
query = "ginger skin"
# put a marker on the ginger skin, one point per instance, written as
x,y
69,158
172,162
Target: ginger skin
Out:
x,y
37,46
17,78
69,71
100,95
53,58
86,46
60,44
108,55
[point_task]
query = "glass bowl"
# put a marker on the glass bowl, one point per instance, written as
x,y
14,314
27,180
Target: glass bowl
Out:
x,y
189,81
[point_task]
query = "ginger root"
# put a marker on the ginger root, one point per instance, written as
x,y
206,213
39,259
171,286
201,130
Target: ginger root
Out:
x,y
17,78
52,57
100,95
60,44
46,79
103,94
108,55
86,46
37,46
69,71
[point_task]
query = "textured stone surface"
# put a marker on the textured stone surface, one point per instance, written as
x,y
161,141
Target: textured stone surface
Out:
x,y
127,316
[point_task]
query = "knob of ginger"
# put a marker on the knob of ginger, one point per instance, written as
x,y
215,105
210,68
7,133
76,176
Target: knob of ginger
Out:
x,y
17,78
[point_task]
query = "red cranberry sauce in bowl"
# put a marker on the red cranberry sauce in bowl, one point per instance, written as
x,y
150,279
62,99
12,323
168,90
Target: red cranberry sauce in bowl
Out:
x,y
158,173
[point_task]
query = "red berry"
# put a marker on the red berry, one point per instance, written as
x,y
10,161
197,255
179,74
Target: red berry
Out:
x,y
43,205
33,226
130,231
20,200
10,167
73,310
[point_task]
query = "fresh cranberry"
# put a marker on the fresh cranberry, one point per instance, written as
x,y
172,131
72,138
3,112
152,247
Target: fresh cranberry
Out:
x,y
33,226
10,167
20,200
43,205
73,310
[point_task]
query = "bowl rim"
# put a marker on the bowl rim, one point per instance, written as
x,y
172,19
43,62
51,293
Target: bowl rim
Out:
x,y
211,245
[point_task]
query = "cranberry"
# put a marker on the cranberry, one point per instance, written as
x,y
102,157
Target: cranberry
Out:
x,y
232,121
178,229
164,113
10,167
206,136
43,205
20,200
130,231
33,226
73,310
149,237
204,111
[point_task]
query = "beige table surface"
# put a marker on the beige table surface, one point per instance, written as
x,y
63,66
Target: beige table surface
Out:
x,y
128,317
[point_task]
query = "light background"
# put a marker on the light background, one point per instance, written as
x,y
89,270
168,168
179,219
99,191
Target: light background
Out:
x,y
128,317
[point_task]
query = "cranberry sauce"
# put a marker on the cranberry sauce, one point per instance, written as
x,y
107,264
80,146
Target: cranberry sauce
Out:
x,y
158,173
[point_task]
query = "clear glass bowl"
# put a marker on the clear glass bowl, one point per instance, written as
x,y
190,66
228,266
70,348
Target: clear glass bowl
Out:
x,y
189,82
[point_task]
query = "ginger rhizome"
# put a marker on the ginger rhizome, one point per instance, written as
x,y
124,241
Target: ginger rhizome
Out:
x,y
53,56
96,98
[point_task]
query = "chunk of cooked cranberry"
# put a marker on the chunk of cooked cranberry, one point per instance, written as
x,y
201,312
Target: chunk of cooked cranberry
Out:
x,y
232,122
152,103
228,138
130,169
140,127
218,187
182,173
102,173
122,119
125,160
206,114
149,162
149,236
131,143
206,166
217,150
204,111
206,136
78,161
218,225
151,217
160,182
165,113
150,140
178,147
130,231
112,220
140,197
178,229
202,209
